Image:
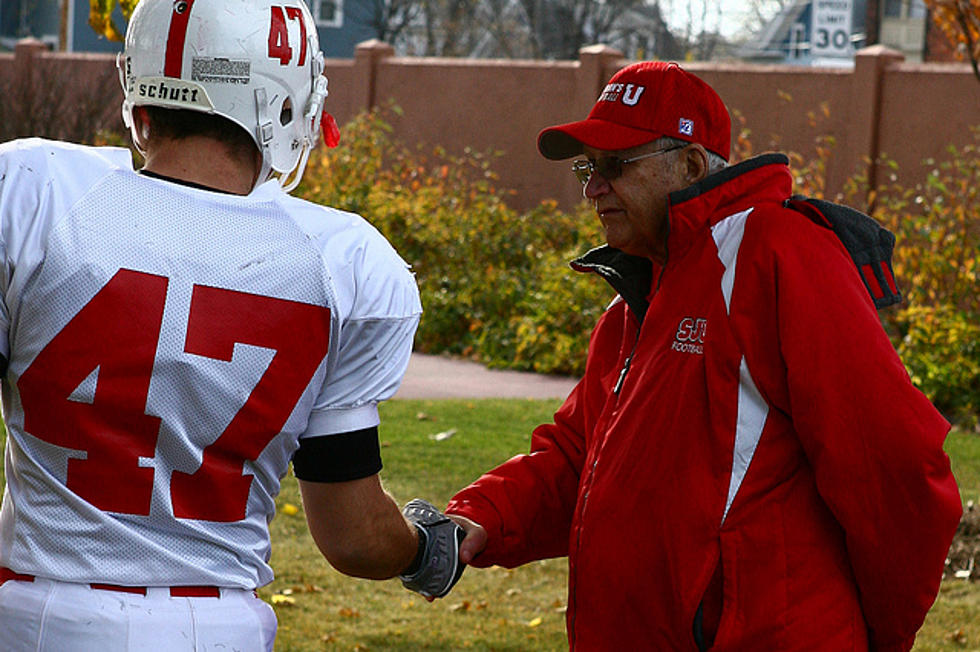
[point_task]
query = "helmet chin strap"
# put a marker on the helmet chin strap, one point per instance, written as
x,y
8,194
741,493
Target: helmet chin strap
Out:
x,y
311,119
265,132
291,180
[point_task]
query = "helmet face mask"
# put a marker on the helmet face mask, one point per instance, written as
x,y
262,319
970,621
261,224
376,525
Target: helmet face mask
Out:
x,y
255,63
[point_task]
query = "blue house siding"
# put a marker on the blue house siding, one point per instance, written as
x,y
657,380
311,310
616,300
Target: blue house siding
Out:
x,y
339,42
21,19
336,42
84,38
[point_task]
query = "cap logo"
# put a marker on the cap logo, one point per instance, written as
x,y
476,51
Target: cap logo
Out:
x,y
686,127
628,94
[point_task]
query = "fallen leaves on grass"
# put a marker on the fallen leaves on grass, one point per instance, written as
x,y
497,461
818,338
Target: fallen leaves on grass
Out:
x,y
958,637
466,605
284,598
444,435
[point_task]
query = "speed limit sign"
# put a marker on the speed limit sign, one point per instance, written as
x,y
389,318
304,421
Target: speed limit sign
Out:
x,y
830,29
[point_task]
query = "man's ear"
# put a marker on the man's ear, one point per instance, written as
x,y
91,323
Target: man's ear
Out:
x,y
695,161
140,129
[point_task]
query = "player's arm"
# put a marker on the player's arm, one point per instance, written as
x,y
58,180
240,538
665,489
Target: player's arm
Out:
x,y
354,522
359,528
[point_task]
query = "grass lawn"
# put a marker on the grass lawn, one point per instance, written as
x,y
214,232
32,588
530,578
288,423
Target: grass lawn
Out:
x,y
492,609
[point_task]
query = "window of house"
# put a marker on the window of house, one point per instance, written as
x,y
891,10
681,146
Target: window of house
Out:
x,y
905,8
328,13
893,8
797,41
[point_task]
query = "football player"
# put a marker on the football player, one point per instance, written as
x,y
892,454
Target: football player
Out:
x,y
173,337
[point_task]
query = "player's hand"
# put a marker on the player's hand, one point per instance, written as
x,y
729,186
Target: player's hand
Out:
x,y
475,541
440,567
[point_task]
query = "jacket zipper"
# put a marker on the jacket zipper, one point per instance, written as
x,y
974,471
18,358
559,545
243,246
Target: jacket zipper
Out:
x,y
629,359
585,497
616,389
626,365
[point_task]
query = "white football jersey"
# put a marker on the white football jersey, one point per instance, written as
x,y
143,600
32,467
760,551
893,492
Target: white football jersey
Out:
x,y
168,346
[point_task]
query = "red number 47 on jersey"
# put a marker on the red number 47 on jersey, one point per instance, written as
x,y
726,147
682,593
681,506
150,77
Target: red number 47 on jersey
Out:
x,y
116,333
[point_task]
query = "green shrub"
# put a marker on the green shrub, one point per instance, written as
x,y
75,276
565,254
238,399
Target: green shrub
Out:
x,y
494,282
937,258
496,286
941,348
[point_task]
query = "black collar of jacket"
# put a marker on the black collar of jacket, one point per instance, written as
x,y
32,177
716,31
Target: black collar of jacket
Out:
x,y
632,276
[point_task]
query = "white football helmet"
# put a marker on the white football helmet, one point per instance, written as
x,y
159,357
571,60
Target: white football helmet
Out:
x,y
255,62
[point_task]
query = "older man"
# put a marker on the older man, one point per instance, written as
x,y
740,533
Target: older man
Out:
x,y
745,464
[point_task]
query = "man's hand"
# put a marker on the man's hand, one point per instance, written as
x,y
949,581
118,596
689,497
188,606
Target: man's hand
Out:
x,y
475,541
440,566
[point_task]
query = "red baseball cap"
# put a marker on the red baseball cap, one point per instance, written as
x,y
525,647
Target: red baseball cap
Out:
x,y
641,103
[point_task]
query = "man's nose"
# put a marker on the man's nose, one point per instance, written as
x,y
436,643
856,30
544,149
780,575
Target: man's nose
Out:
x,y
596,186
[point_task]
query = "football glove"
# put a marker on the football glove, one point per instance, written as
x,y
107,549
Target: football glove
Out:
x,y
440,567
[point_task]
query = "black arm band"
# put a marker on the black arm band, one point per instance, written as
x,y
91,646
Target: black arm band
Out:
x,y
338,458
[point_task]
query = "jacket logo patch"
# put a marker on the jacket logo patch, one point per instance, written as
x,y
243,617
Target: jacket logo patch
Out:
x,y
690,336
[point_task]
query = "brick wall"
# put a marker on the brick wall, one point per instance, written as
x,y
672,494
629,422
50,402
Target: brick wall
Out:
x,y
883,105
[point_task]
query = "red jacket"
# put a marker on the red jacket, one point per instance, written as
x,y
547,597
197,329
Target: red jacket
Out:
x,y
766,467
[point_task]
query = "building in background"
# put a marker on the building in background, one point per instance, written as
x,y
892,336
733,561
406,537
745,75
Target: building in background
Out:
x,y
811,33
902,25
804,32
642,33
794,35
63,25
905,25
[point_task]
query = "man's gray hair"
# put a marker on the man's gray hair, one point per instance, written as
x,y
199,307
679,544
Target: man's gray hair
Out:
x,y
715,162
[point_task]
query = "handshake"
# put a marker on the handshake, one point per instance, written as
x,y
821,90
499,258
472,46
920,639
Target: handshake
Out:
x,y
438,567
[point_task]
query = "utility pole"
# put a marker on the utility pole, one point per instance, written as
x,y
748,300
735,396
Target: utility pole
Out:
x,y
63,27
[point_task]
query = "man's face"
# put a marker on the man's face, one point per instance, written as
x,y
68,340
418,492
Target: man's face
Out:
x,y
633,206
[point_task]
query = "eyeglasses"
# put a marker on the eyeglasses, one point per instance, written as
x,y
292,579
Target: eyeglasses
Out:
x,y
610,167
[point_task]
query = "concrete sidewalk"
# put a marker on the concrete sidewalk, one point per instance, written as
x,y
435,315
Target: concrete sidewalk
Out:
x,y
433,376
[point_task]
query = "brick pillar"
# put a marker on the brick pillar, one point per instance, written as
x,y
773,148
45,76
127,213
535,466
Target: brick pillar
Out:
x,y
593,63
367,55
596,64
25,52
870,66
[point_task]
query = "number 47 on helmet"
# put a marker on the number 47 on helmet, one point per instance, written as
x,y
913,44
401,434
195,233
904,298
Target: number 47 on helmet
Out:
x,y
254,62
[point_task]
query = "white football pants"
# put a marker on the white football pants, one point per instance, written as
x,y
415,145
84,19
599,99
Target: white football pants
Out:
x,y
49,616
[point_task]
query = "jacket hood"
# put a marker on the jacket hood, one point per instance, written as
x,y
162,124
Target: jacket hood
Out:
x,y
728,191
